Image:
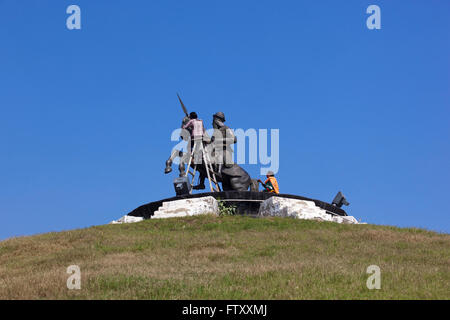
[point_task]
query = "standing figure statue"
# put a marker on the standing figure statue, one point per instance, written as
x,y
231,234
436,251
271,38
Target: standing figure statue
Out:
x,y
232,176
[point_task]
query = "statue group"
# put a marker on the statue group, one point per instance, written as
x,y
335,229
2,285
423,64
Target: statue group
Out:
x,y
218,148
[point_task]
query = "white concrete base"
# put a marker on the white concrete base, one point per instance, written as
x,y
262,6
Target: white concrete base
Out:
x,y
300,209
187,207
127,219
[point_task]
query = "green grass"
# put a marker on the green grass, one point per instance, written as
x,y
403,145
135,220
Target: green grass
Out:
x,y
228,257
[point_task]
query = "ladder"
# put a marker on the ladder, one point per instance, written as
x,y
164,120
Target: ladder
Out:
x,y
198,147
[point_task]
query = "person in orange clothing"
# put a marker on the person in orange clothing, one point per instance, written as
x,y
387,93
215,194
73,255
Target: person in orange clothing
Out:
x,y
271,184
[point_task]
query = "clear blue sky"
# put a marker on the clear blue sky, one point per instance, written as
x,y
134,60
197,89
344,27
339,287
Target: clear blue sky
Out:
x,y
86,115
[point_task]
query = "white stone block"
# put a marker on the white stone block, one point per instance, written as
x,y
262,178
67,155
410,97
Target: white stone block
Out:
x,y
127,219
299,209
187,207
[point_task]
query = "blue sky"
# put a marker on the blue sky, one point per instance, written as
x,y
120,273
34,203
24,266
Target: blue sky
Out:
x,y
86,115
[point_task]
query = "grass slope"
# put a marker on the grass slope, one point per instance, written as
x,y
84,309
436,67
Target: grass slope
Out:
x,y
230,257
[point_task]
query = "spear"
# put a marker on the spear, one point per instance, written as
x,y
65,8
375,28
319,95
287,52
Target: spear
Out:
x,y
182,106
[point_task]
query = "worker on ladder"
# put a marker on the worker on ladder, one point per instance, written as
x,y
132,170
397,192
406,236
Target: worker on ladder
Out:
x,y
271,184
197,132
198,153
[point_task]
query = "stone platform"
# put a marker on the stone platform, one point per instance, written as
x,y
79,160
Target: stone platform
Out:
x,y
246,202
274,206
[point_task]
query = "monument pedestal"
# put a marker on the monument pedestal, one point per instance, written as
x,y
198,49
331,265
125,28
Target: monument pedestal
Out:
x,y
246,202
274,205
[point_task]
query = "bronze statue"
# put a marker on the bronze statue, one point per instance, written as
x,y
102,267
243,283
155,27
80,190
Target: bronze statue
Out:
x,y
232,176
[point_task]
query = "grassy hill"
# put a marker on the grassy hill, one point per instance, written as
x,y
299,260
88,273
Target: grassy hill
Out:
x,y
229,257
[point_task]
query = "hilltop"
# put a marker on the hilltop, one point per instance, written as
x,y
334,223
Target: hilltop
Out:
x,y
228,257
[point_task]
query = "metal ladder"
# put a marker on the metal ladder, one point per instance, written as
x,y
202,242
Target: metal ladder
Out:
x,y
209,170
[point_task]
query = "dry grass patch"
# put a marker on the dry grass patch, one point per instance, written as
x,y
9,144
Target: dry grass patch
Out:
x,y
230,257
